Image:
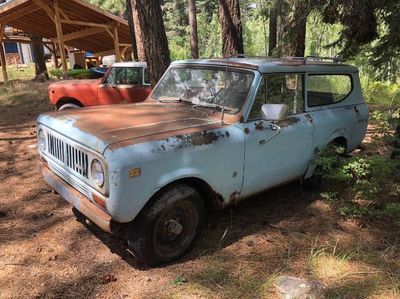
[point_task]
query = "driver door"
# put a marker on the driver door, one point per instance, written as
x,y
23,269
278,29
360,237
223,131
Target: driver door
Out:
x,y
277,151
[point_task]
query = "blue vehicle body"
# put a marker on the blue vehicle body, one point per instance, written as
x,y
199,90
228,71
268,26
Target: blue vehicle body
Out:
x,y
146,146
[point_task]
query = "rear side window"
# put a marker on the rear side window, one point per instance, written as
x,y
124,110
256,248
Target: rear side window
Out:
x,y
327,89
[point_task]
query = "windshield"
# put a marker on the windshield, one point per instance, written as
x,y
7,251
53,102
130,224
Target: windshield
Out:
x,y
206,87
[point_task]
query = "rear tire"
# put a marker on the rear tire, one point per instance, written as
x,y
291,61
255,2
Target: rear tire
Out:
x,y
168,226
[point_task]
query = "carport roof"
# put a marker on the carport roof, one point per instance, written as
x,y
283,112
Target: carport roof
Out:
x,y
84,26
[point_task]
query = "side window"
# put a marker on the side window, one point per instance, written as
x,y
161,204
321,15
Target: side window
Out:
x,y
133,76
327,89
259,100
279,89
111,77
146,76
116,76
286,89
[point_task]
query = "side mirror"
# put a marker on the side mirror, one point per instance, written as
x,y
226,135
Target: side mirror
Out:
x,y
274,111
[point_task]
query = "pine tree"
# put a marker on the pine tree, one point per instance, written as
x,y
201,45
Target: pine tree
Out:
x,y
117,7
231,27
152,43
194,39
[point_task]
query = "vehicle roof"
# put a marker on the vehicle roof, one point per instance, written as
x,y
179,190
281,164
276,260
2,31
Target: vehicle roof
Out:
x,y
272,65
130,64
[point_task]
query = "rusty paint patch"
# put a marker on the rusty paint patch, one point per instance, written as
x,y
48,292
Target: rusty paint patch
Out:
x,y
259,126
308,117
201,138
234,196
289,121
204,138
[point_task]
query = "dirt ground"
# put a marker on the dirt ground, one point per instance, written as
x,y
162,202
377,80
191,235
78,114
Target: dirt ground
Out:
x,y
46,253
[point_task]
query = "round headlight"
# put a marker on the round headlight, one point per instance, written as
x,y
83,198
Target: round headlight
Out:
x,y
97,173
42,140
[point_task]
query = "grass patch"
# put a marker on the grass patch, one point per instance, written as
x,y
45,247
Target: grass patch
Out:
x,y
22,101
27,72
356,272
221,280
19,73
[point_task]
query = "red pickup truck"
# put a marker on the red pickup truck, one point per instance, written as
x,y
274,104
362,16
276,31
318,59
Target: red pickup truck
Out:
x,y
125,82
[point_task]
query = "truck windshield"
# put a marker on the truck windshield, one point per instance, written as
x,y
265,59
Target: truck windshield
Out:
x,y
207,87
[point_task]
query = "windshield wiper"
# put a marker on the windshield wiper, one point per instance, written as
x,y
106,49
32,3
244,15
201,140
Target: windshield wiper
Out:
x,y
171,100
214,106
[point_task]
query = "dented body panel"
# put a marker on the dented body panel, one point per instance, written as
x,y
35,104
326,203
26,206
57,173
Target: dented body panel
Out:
x,y
146,146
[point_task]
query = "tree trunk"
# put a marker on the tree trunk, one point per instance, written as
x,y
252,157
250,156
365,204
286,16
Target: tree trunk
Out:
x,y
396,145
38,56
194,40
129,16
272,31
292,28
151,40
231,27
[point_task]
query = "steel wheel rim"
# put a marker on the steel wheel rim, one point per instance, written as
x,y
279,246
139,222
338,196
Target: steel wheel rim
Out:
x,y
175,229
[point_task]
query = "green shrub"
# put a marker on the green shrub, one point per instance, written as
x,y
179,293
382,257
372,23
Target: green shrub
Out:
x,y
382,93
363,185
76,74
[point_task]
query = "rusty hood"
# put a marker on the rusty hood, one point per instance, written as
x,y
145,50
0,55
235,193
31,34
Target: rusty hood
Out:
x,y
99,127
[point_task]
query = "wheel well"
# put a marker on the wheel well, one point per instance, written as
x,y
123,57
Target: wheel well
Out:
x,y
210,197
340,141
66,100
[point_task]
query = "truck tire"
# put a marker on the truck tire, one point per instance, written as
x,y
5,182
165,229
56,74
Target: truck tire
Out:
x,y
168,226
68,106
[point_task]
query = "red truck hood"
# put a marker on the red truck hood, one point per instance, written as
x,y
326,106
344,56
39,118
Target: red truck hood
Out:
x,y
99,127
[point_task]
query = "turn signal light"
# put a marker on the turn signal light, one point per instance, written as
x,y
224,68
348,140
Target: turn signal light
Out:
x,y
99,200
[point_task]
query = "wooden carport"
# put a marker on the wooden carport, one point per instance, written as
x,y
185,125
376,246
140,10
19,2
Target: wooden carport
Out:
x,y
72,23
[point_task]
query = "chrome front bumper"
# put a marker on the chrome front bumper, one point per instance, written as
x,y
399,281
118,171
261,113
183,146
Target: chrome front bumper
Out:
x,y
83,204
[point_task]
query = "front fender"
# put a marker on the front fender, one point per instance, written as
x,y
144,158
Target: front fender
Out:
x,y
155,164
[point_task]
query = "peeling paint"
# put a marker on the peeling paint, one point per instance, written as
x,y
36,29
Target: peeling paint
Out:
x,y
259,126
308,117
289,121
234,196
201,138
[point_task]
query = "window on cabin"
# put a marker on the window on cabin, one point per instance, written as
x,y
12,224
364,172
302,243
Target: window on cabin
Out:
x,y
279,89
327,89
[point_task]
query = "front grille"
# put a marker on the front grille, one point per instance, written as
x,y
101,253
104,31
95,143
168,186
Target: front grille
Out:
x,y
78,185
72,157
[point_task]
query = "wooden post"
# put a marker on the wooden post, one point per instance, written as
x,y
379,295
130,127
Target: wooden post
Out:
x,y
2,54
116,44
60,37
55,59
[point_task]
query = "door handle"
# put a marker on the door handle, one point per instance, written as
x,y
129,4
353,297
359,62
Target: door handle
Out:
x,y
356,109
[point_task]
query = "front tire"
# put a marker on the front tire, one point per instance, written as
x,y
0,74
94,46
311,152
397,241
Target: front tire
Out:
x,y
168,226
68,106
